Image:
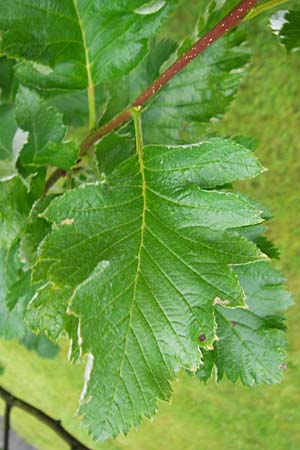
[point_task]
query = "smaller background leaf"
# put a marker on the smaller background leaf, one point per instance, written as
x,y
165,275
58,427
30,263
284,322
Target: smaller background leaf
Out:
x,y
286,24
46,133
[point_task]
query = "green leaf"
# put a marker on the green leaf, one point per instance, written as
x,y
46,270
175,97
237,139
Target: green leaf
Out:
x,y
47,316
267,247
138,79
286,24
15,293
74,105
41,345
8,143
201,92
6,79
251,342
15,204
47,311
35,231
249,347
113,149
254,233
263,286
83,42
215,11
46,133
8,130
145,254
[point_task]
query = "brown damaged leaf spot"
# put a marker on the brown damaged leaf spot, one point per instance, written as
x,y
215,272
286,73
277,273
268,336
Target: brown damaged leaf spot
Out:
x,y
202,337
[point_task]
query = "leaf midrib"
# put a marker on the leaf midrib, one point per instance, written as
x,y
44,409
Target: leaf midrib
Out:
x,y
139,150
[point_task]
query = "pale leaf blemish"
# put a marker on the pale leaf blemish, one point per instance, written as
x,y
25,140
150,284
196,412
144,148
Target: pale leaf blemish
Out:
x,y
42,69
218,301
150,7
67,222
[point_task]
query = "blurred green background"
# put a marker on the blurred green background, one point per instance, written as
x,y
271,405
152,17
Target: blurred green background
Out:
x,y
221,416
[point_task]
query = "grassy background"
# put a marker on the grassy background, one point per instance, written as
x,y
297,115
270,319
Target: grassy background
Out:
x,y
214,416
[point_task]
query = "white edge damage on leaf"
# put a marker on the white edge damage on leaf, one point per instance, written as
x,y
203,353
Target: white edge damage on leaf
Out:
x,y
87,374
277,21
100,267
79,337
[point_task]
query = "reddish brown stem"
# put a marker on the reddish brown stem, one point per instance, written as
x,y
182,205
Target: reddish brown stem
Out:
x,y
230,21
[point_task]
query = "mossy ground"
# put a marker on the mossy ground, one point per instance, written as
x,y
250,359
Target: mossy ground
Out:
x,y
221,416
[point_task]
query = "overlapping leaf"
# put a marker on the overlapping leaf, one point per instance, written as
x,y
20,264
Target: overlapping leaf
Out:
x,y
47,316
15,293
74,105
83,42
251,344
286,24
215,11
181,111
146,254
199,93
138,79
47,313
6,79
8,151
15,204
15,287
45,144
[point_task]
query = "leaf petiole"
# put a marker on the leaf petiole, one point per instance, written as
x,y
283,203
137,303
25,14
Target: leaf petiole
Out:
x,y
137,120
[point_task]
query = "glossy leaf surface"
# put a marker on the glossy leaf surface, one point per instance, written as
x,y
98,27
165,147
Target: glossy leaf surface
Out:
x,y
146,254
84,42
